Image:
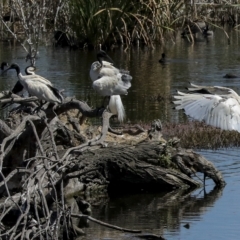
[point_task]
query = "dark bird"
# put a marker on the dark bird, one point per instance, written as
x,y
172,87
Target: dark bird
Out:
x,y
163,59
187,225
230,75
194,27
206,32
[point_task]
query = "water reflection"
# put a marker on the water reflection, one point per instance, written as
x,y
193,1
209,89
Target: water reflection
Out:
x,y
211,215
152,213
204,62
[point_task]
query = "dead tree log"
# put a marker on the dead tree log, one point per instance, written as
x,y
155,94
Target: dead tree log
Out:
x,y
51,156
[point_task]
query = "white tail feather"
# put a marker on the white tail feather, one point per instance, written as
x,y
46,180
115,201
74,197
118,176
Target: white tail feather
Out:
x,y
116,107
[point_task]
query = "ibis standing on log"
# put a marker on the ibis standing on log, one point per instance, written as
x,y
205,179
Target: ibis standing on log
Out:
x,y
111,82
38,86
18,87
216,106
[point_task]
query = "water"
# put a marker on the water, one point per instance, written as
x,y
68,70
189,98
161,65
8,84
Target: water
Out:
x,y
214,214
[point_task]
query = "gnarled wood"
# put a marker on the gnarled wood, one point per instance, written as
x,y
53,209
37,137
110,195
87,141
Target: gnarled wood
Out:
x,y
52,155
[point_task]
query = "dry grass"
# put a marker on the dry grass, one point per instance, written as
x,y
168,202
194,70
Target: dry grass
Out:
x,y
110,22
199,135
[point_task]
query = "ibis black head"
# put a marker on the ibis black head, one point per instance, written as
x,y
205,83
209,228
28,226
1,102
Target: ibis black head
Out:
x,y
103,55
3,65
14,66
30,70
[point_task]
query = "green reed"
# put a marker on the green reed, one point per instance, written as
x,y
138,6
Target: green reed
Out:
x,y
110,22
124,21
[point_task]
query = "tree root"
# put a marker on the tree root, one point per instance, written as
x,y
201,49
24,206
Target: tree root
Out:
x,y
44,155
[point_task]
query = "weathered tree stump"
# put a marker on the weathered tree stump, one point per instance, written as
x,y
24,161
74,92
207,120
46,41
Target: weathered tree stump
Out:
x,y
52,160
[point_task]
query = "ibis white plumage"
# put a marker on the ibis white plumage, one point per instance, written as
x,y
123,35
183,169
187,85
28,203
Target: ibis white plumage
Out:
x,y
18,87
38,86
110,81
216,106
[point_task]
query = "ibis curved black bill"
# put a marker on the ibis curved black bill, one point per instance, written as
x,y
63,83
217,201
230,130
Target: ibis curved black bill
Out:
x,y
3,65
103,55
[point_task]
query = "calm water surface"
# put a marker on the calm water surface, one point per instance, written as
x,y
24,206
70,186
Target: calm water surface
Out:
x,y
211,214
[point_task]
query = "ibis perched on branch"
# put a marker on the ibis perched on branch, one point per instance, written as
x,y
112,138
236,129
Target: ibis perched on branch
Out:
x,y
18,87
38,86
216,106
109,81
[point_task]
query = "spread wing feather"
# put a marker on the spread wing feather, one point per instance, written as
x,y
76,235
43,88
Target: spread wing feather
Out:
x,y
222,111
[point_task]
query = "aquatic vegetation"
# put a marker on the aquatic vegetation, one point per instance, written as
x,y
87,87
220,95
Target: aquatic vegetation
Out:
x,y
27,22
111,22
89,23
198,135
165,159
131,22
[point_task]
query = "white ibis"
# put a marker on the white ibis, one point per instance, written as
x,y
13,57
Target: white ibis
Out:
x,y
18,87
38,86
216,106
111,82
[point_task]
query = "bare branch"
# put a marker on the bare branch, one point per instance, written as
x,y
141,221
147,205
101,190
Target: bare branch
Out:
x,y
104,224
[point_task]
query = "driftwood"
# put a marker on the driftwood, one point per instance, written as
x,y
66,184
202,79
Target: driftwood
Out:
x,y
50,157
